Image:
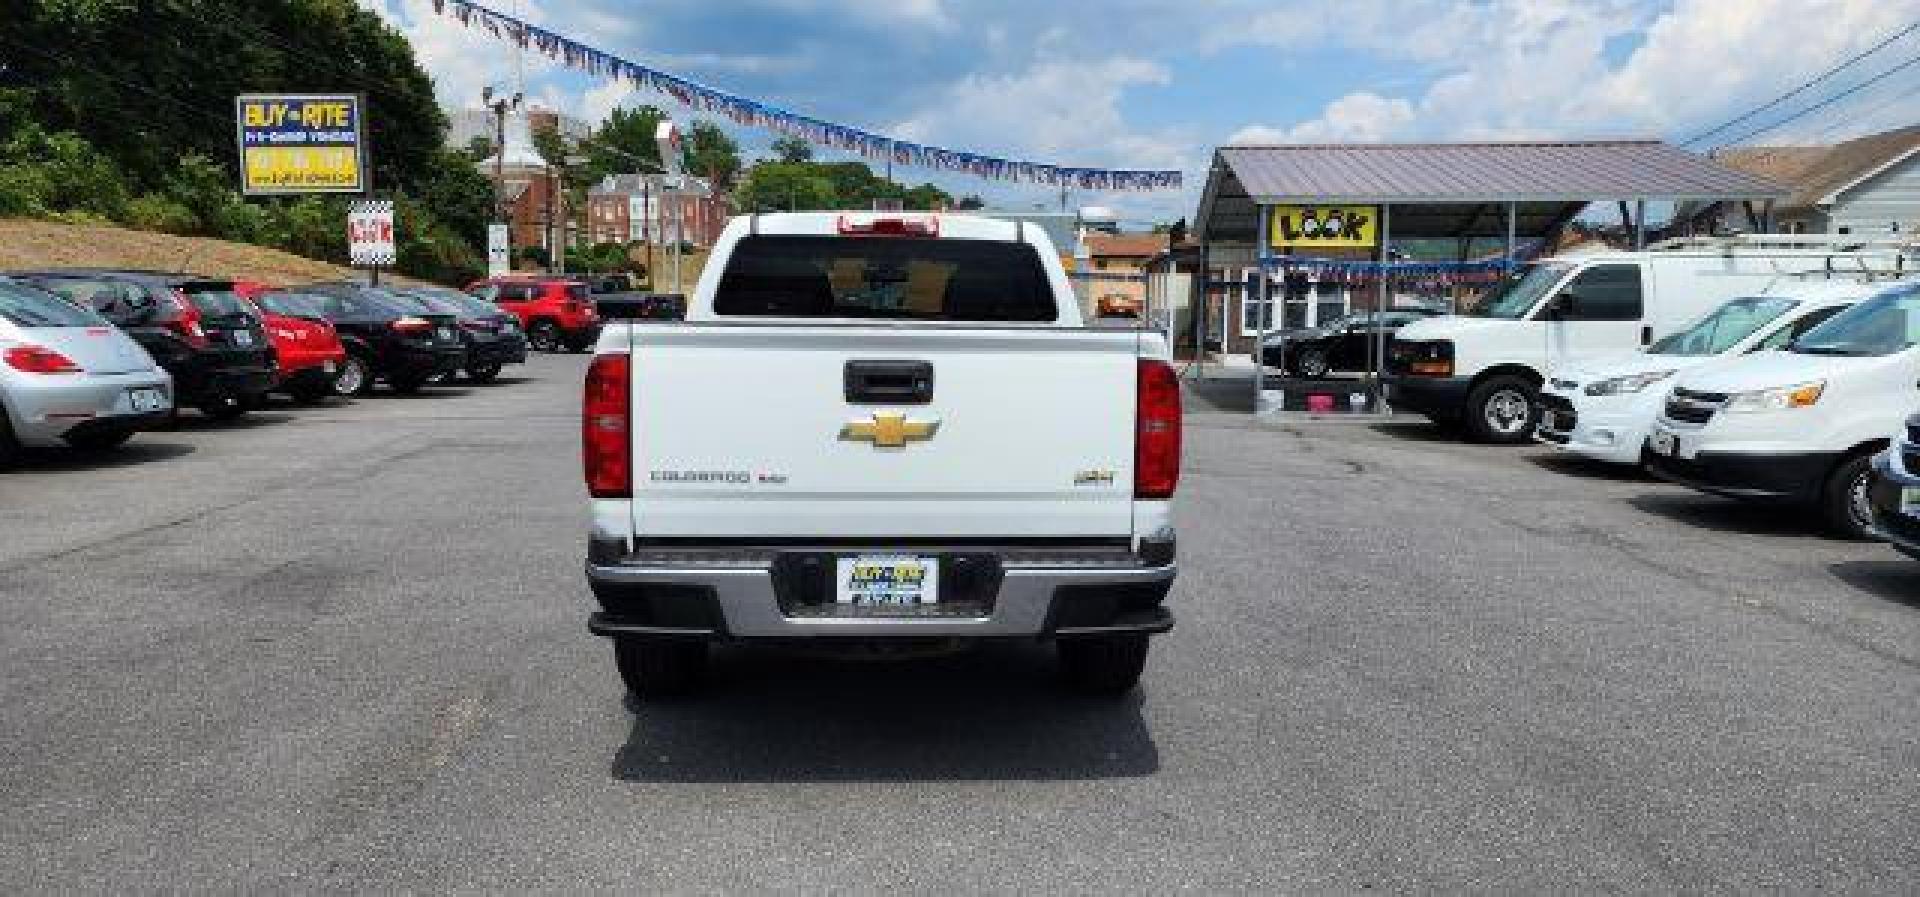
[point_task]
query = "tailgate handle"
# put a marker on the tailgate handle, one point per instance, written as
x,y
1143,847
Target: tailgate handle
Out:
x,y
889,382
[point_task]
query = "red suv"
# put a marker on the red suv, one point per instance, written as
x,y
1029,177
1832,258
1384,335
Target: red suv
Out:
x,y
555,312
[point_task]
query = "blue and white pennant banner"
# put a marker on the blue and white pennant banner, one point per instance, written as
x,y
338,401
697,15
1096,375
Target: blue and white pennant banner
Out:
x,y
752,113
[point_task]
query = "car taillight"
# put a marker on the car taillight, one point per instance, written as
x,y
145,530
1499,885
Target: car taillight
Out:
x,y
1156,437
186,321
889,227
606,427
411,325
40,360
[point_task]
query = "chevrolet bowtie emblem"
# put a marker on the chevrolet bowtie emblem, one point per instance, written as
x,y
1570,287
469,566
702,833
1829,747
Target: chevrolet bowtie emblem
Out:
x,y
889,429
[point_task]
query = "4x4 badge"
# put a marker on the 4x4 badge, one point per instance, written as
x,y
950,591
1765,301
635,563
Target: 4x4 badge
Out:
x,y
888,429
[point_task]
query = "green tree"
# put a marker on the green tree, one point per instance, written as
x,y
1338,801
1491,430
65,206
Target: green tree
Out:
x,y
784,186
792,149
624,143
77,59
713,154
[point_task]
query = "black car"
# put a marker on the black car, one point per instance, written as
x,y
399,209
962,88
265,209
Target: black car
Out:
x,y
389,335
198,329
1342,345
492,336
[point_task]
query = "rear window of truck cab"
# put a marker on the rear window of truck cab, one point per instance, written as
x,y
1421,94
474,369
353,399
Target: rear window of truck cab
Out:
x,y
884,277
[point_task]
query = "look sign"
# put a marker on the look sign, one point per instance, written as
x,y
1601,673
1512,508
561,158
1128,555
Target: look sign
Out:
x,y
1325,227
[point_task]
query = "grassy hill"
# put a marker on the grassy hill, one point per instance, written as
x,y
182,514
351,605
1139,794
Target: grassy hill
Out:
x,y
26,243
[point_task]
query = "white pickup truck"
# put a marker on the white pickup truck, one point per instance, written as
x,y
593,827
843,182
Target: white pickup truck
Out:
x,y
879,431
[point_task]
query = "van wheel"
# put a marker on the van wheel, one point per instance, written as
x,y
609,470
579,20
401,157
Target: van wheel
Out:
x,y
660,668
1103,665
1844,503
1502,411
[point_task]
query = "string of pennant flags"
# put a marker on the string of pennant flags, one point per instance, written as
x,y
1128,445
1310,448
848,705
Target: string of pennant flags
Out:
x,y
1354,271
752,113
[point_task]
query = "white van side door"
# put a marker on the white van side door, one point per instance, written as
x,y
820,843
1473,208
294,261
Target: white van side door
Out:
x,y
1599,310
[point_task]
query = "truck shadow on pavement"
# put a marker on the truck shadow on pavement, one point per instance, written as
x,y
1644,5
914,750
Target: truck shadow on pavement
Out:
x,y
1896,580
994,713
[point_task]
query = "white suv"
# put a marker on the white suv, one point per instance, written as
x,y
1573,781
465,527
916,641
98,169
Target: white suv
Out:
x,y
1604,409
1800,425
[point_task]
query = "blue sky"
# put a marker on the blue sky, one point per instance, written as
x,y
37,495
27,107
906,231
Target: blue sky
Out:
x,y
1159,83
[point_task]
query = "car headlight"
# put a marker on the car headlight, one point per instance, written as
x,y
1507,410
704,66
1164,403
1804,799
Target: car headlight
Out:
x,y
1632,383
1778,398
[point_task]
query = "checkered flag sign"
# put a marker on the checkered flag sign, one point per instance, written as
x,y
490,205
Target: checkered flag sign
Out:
x,y
370,232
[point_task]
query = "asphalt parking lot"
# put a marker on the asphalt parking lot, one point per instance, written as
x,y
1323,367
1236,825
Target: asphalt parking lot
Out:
x,y
345,649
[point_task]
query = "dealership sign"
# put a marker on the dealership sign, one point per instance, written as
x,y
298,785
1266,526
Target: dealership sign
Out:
x,y
301,143
370,232
1325,227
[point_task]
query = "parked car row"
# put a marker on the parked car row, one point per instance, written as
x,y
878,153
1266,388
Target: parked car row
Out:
x,y
1792,389
91,356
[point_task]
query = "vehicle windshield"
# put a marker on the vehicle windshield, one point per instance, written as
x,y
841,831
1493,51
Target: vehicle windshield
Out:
x,y
405,303
293,305
1518,292
25,306
217,303
885,277
1882,325
1724,327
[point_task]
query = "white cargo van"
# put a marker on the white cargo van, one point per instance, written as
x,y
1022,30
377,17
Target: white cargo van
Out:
x,y
1799,426
1485,369
1603,409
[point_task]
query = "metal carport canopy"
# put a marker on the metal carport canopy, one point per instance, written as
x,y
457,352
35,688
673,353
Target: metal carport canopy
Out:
x,y
1461,189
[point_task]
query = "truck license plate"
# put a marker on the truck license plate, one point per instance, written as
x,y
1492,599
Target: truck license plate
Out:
x,y
145,400
887,580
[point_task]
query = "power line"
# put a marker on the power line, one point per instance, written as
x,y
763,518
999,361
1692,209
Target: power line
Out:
x,y
1803,88
1870,113
1911,61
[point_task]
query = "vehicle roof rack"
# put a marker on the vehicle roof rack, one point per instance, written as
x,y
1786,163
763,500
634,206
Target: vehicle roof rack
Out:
x,y
1812,242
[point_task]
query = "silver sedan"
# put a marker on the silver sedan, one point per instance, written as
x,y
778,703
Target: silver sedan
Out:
x,y
67,377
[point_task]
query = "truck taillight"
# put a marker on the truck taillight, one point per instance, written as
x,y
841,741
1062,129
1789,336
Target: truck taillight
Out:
x,y
1156,438
889,227
606,427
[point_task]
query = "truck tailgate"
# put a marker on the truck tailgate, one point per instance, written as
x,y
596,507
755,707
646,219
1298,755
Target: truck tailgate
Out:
x,y
749,431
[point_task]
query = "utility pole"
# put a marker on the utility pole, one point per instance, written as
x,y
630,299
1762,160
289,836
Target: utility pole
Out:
x,y
500,107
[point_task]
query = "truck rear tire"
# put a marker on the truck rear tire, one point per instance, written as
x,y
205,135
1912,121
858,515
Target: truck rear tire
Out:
x,y
1502,411
1103,665
660,668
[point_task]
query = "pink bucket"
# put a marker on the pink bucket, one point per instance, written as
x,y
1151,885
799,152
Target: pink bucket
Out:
x,y
1320,403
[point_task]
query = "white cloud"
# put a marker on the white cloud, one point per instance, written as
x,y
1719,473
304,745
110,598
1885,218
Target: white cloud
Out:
x,y
463,61
1540,69
928,13
1065,112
